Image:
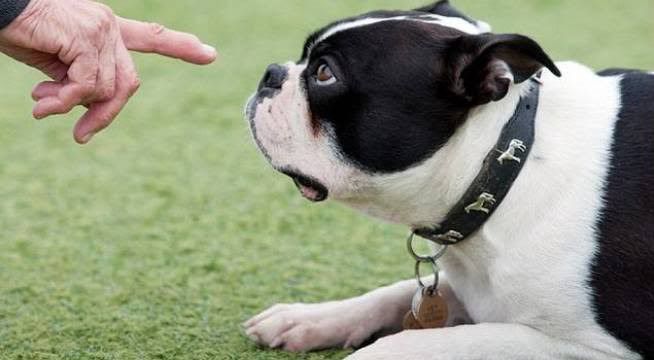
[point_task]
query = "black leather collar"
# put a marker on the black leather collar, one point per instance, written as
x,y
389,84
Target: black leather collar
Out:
x,y
500,169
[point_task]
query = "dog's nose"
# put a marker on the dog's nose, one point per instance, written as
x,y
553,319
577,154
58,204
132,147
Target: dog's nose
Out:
x,y
274,77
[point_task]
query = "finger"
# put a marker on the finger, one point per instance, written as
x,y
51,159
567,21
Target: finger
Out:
x,y
45,92
78,87
46,89
154,38
101,114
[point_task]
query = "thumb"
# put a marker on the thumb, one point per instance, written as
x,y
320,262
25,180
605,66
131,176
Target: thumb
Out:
x,y
155,38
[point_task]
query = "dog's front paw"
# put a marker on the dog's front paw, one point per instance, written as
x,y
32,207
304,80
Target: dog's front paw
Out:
x,y
306,327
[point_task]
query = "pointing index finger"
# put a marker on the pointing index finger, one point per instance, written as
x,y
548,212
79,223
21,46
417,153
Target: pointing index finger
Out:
x,y
154,38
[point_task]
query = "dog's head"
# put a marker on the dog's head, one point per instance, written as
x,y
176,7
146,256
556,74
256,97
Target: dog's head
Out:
x,y
381,93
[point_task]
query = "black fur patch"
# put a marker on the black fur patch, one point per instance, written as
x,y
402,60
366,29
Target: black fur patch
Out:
x,y
404,87
392,106
623,270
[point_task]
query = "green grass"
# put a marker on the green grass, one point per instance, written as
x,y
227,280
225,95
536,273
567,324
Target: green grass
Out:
x,y
158,239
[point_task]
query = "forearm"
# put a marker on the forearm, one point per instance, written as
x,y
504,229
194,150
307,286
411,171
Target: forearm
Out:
x,y
10,9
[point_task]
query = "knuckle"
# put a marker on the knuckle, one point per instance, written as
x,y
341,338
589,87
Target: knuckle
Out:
x,y
154,32
156,29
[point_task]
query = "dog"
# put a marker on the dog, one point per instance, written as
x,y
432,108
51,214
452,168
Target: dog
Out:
x,y
394,112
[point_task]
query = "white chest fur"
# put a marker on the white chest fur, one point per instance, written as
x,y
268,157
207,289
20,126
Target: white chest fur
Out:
x,y
530,263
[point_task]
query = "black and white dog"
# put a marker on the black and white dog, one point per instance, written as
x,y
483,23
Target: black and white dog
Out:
x,y
393,113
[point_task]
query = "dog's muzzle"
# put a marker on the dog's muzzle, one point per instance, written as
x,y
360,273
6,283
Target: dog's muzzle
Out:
x,y
269,86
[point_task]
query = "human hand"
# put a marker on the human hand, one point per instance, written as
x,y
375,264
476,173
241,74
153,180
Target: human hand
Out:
x,y
83,47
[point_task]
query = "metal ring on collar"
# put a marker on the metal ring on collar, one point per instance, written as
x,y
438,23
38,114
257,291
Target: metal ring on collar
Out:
x,y
419,277
420,258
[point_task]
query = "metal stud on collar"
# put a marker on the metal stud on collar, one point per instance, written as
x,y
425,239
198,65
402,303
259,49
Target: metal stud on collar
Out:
x,y
480,204
451,237
510,153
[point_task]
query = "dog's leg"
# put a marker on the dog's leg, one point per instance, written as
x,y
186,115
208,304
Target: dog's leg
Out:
x,y
478,342
346,323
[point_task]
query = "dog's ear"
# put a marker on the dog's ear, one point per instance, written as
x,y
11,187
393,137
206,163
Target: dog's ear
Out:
x,y
482,67
444,8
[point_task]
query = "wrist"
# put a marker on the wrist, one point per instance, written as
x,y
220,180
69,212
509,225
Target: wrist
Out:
x,y
10,10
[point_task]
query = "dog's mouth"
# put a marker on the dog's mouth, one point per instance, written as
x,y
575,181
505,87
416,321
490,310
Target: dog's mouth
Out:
x,y
309,187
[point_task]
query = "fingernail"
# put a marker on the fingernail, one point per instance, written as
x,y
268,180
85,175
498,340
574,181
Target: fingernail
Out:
x,y
210,49
87,137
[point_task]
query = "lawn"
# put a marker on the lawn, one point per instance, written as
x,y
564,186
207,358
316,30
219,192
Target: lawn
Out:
x,y
158,239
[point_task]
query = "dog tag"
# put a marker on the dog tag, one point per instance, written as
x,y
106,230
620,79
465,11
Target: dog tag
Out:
x,y
431,309
416,301
410,322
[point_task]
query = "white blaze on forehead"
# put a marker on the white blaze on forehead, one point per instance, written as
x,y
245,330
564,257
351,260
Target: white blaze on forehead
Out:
x,y
451,22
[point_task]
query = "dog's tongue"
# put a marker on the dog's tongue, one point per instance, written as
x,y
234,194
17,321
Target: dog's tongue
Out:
x,y
310,189
309,192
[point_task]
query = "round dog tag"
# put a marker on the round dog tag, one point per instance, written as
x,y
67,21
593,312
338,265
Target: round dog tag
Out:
x,y
416,301
410,322
432,310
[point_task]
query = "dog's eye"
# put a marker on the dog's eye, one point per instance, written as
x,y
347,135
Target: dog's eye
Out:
x,y
324,75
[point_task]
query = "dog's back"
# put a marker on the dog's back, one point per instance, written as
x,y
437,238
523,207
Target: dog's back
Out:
x,y
623,273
